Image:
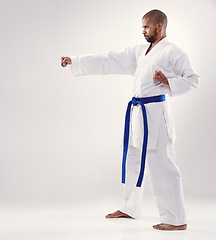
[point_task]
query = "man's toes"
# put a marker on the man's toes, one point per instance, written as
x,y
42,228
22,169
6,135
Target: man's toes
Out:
x,y
118,214
112,215
159,226
156,226
162,227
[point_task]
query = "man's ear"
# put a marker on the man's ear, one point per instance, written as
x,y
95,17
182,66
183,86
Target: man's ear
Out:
x,y
159,26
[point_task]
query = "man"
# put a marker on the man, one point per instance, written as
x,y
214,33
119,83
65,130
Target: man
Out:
x,y
159,68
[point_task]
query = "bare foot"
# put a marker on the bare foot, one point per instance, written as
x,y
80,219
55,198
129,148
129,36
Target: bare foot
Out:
x,y
118,214
168,227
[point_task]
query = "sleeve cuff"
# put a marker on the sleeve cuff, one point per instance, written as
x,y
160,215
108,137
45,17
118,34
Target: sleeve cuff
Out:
x,y
172,85
74,66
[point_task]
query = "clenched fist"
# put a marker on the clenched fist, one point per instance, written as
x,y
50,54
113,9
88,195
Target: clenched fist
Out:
x,y
160,77
65,61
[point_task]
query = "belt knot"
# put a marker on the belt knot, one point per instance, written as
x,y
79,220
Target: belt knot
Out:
x,y
134,101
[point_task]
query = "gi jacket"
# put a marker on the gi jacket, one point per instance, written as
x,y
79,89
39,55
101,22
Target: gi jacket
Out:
x,y
164,57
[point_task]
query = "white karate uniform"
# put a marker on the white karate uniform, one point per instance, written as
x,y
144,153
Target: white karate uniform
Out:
x,y
164,174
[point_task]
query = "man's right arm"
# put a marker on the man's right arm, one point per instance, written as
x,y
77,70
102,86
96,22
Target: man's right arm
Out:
x,y
112,62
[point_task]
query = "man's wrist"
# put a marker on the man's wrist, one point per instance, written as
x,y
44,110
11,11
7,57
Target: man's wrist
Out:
x,y
166,81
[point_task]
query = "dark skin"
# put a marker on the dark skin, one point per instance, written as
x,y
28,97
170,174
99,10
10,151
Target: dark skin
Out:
x,y
153,33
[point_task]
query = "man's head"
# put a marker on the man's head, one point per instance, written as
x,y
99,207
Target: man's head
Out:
x,y
154,25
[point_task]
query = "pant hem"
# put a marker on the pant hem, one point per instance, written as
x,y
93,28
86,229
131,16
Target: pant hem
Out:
x,y
130,213
174,222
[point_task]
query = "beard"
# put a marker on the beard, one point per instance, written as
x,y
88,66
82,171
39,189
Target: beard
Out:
x,y
152,38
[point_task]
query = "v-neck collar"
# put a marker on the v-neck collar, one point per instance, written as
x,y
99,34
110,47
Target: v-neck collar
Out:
x,y
160,43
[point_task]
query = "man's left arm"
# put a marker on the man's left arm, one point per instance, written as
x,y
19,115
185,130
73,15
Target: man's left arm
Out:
x,y
185,80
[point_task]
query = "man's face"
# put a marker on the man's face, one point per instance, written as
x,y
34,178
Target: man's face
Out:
x,y
149,30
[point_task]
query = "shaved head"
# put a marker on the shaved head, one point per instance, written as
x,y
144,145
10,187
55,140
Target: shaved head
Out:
x,y
156,16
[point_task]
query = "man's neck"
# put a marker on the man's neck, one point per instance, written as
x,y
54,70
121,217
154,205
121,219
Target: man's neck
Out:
x,y
157,40
154,43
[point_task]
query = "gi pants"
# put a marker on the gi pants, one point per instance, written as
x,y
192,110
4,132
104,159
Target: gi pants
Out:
x,y
164,178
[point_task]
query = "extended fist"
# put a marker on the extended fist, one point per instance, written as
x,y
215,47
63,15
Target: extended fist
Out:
x,y
160,77
65,61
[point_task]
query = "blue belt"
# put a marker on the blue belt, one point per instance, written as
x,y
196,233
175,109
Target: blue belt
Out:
x,y
136,101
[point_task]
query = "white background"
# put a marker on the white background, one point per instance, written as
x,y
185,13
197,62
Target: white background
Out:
x,y
59,135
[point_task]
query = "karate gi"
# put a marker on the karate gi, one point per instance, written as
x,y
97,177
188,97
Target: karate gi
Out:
x,y
164,175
